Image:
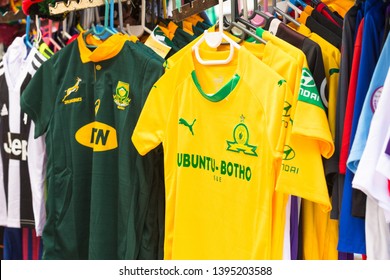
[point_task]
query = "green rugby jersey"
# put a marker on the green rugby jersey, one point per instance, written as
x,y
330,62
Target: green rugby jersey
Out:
x,y
99,188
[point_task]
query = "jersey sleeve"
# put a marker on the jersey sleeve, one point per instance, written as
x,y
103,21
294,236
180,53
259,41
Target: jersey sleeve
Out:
x,y
38,99
150,128
310,118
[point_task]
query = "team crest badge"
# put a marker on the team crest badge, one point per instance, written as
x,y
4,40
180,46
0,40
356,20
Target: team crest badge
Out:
x,y
288,153
121,97
241,140
375,98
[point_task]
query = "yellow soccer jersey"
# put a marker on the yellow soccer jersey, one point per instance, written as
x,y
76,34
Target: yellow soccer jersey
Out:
x,y
321,237
287,66
220,128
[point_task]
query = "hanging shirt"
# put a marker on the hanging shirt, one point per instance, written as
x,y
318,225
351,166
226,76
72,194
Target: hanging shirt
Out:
x,y
314,57
98,187
306,147
347,52
374,183
292,207
302,163
204,215
300,145
22,164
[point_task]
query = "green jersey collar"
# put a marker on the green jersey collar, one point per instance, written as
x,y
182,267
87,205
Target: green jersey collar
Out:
x,y
220,94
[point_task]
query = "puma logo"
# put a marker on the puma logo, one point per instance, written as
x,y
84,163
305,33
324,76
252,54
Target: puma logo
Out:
x,y
281,82
72,89
185,123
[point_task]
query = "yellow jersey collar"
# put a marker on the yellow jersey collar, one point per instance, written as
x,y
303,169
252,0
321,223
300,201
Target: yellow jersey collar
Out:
x,y
105,49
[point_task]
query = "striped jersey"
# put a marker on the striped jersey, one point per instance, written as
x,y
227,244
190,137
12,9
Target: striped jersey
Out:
x,y
22,164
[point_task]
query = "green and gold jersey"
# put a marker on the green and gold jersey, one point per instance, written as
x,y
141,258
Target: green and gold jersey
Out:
x,y
87,103
221,129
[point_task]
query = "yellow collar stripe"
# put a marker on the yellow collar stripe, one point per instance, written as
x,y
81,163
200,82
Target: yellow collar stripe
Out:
x,y
105,49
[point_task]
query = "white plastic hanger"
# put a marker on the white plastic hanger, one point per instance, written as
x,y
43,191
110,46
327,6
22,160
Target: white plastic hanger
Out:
x,y
214,39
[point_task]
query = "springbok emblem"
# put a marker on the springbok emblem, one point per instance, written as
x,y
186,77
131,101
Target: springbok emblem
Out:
x,y
72,89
